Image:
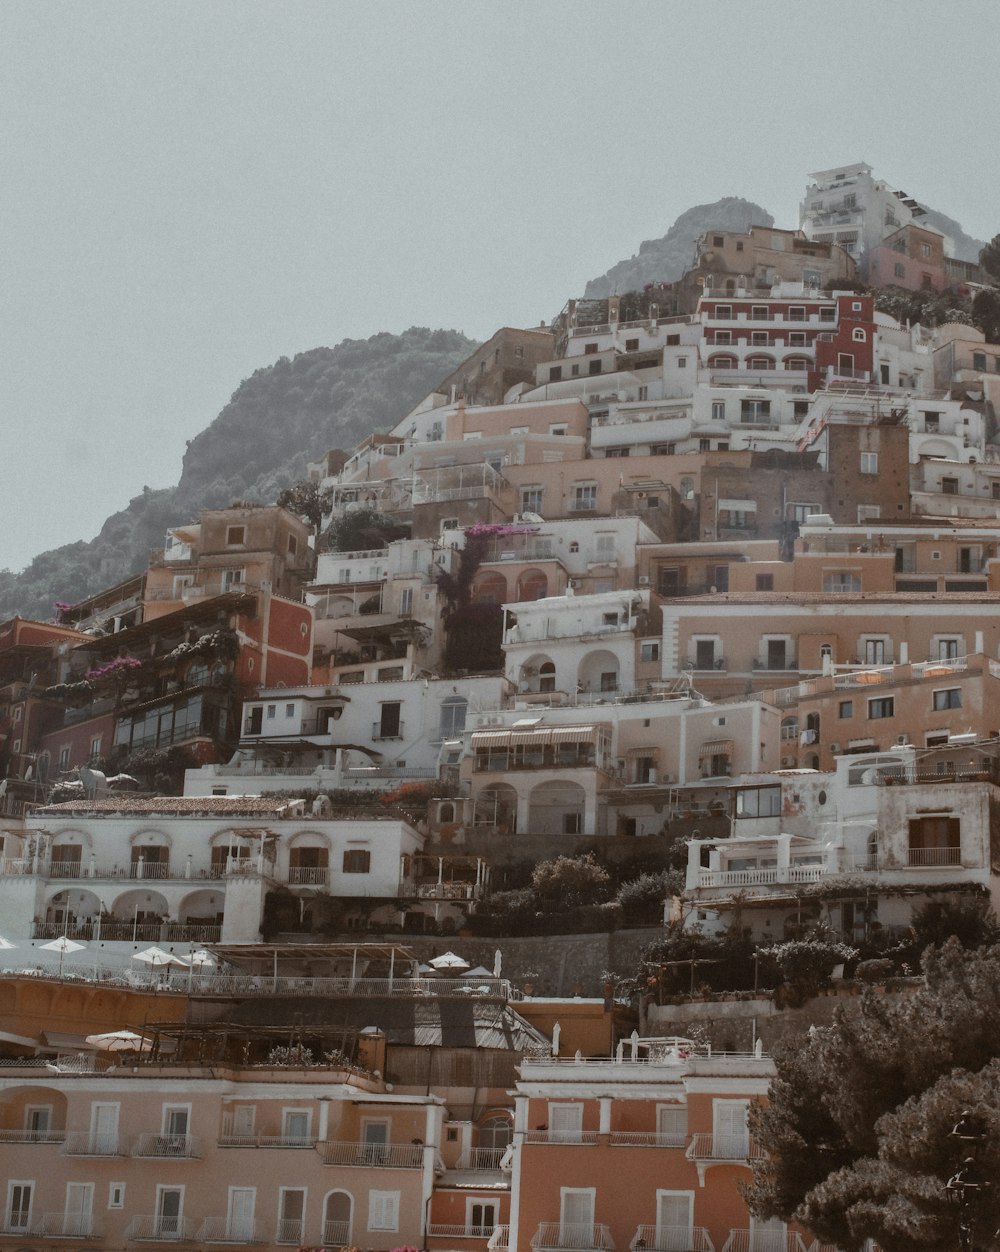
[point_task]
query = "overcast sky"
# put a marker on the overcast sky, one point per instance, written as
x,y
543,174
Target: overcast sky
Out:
x,y
192,189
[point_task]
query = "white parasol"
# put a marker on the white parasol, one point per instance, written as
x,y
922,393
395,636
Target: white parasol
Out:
x,y
120,1041
448,961
157,957
62,945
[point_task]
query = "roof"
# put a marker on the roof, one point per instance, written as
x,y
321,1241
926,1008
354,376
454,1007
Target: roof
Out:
x,y
167,806
836,600
418,1022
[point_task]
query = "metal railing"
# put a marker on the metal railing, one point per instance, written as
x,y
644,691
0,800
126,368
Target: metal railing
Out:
x,y
647,1139
481,1158
237,1230
66,1226
309,875
764,1241
672,1239
159,1228
89,1143
561,1136
167,1146
924,857
499,1240
452,1231
289,1230
32,1136
724,1148
573,1237
372,1155
337,1233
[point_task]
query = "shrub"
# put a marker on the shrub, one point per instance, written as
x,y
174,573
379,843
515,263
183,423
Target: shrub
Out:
x,y
805,965
878,969
570,881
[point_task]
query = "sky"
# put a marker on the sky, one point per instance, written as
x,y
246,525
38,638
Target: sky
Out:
x,y
192,189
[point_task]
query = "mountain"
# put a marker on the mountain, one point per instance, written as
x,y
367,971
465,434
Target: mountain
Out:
x,y
278,419
665,259
966,248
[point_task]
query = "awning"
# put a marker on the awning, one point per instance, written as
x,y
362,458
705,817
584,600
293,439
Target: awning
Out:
x,y
574,734
490,739
59,1039
632,753
739,506
716,747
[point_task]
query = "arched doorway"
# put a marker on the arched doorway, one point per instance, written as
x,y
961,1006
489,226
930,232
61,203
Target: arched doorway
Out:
x,y
338,1213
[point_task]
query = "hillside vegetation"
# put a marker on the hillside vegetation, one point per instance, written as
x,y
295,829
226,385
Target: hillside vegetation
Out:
x,y
278,419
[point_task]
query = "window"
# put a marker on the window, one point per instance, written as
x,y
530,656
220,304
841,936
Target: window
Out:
x,y
858,335
723,313
576,1216
724,336
116,1195
881,707
65,752
717,241
718,410
232,578
840,581
682,362
764,582
289,710
948,649
594,367
235,536
293,545
558,428
949,486
949,698
555,373
754,411
296,1126
589,349
800,512
925,249
357,860
389,726
167,1223
758,313
584,497
869,462
383,1210
758,802
759,338
704,654
979,360
875,651
406,602
649,650
480,1217
631,345
453,713
291,1211
845,708
797,339
531,499
19,1206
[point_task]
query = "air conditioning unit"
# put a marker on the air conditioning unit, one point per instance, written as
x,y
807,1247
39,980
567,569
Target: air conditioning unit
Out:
x,y
901,739
643,580
574,582
834,747
787,762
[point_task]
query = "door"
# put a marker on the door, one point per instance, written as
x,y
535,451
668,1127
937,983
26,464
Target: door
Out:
x,y
576,1218
775,654
674,1221
104,1129
566,1122
291,1212
169,1205
295,1129
672,1125
239,1223
175,1130
19,1206
37,1122
376,1143
481,1219
730,1137
337,1219
78,1215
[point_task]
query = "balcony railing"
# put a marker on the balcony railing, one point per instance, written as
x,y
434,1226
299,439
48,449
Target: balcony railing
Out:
x,y
572,1237
373,1155
647,1139
32,1136
724,1148
738,877
561,1136
924,857
167,1146
672,1239
481,1158
290,1230
14,1224
158,1228
764,1241
444,1231
308,875
67,1226
267,1141
337,1233
89,1143
239,1231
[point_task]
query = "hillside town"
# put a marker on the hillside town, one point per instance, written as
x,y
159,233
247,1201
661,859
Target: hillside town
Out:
x,y
410,861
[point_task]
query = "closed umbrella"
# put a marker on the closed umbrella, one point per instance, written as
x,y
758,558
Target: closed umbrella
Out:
x,y
62,945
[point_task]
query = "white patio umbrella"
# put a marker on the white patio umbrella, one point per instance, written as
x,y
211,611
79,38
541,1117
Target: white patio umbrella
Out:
x,y
157,957
120,1041
6,945
62,945
198,960
448,961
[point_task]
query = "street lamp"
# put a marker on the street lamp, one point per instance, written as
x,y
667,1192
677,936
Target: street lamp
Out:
x,y
966,1186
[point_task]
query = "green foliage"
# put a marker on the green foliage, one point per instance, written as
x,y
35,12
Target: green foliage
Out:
x,y
989,258
857,1124
986,313
805,965
926,307
968,919
361,529
725,963
307,500
642,898
473,639
570,881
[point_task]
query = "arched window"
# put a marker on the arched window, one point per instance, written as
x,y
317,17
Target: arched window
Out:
x,y
446,812
797,363
859,335
547,676
760,363
722,362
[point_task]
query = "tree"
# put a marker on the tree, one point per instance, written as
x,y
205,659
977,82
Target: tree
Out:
x,y
307,500
571,880
361,529
989,258
986,313
857,1128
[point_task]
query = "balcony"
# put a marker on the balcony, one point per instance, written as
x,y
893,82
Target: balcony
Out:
x,y
238,1231
67,1226
499,1240
672,1239
646,1139
373,1155
764,1241
481,1158
437,1230
924,858
561,1137
173,1146
291,1230
738,877
572,1237
87,1143
266,1141
32,1136
731,1148
336,1233
159,1228
308,875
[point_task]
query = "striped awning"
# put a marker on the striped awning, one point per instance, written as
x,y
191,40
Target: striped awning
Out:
x,y
574,734
535,737
716,747
490,739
